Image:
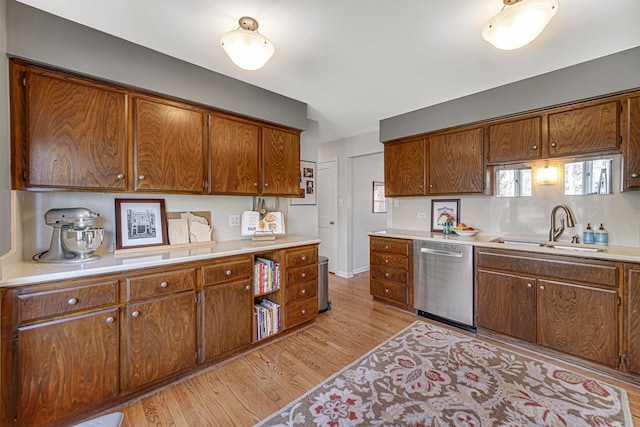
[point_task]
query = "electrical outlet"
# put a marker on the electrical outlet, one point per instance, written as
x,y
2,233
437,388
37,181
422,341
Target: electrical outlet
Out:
x,y
422,215
234,220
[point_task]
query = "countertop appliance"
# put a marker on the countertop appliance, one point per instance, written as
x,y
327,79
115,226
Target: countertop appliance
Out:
x,y
74,238
443,282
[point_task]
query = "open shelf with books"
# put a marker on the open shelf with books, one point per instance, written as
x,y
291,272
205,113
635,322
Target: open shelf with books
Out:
x,y
267,295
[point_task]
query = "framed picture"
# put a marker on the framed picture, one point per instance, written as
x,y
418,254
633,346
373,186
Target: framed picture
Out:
x,y
140,223
443,210
307,195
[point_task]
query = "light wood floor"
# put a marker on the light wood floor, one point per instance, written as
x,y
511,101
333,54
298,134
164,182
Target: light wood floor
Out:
x,y
249,387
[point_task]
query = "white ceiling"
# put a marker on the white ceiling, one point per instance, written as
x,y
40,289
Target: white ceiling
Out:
x,y
355,62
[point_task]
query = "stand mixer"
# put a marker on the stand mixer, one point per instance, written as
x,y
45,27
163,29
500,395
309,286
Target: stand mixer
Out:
x,y
74,239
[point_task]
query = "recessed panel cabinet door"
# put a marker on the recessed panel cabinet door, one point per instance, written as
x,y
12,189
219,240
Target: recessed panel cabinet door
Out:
x,y
280,162
455,163
507,304
632,149
404,168
235,156
633,321
76,134
227,317
66,366
170,149
578,320
160,339
515,140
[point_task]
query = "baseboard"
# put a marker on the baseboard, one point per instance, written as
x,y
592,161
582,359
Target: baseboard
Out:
x,y
361,270
344,275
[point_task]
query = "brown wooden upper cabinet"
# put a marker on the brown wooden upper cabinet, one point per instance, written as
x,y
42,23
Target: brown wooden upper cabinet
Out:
x,y
585,129
66,132
235,156
405,167
455,162
169,145
280,162
631,141
515,140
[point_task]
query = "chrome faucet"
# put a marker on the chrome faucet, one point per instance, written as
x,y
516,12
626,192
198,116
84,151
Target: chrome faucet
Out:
x,y
555,232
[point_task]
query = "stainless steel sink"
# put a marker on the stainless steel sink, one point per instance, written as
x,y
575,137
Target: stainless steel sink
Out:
x,y
549,245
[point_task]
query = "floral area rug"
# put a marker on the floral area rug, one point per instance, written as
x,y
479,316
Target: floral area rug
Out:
x,y
430,376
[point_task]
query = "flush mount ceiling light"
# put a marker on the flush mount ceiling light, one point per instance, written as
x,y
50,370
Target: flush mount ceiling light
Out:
x,y
246,47
519,23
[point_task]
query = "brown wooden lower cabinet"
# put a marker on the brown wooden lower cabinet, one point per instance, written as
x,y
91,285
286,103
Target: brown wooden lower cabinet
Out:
x,y
632,274
391,270
579,318
72,348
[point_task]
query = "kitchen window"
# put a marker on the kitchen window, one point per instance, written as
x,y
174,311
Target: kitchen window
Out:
x,y
513,182
379,201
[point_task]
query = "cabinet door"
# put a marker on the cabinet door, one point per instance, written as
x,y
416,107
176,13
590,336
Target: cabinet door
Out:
x,y
578,320
632,144
280,162
76,134
235,156
507,304
405,168
633,321
160,339
455,163
169,147
515,140
227,317
66,366
584,130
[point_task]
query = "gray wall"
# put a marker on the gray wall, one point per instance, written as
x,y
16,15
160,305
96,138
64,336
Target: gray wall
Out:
x,y
42,37
609,74
5,170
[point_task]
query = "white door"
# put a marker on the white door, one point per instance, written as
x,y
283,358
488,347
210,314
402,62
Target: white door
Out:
x,y
327,192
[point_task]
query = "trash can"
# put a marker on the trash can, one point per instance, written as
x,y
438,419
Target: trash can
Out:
x,y
323,284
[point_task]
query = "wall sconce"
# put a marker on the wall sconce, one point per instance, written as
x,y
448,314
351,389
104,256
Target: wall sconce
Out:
x,y
519,23
547,175
246,47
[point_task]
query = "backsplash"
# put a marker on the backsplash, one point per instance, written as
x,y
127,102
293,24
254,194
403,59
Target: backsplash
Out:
x,y
531,216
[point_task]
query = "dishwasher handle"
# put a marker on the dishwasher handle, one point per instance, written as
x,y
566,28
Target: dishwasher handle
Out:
x,y
441,252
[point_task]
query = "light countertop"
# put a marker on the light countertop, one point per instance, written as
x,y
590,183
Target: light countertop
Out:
x,y
612,253
28,272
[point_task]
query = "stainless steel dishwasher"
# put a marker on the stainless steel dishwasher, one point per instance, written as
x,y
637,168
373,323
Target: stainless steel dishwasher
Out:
x,y
443,282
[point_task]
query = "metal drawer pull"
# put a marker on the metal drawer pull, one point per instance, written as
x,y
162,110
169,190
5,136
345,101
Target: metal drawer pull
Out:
x,y
247,287
386,248
72,301
535,147
304,275
120,176
304,291
542,287
141,177
634,175
164,284
228,273
304,311
304,257
386,291
553,144
386,274
441,252
386,261
110,319
529,285
135,314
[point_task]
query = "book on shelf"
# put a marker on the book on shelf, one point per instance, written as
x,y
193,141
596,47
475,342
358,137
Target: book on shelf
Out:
x,y
267,314
266,276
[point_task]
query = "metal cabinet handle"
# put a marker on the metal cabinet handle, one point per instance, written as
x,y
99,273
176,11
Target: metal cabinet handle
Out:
x,y
141,177
386,274
120,176
430,185
73,301
553,144
304,311
304,258
529,285
421,186
542,288
255,184
266,184
634,175
110,319
228,273
304,291
247,287
535,147
386,261
386,291
304,275
135,314
386,248
164,284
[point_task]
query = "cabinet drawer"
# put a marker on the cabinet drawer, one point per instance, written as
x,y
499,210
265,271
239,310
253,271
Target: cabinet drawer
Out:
x,y
308,255
566,268
159,284
227,271
39,305
390,291
390,246
300,274
390,273
390,260
301,290
301,311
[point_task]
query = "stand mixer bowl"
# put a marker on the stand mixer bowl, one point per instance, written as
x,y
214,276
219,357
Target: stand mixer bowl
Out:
x,y
82,243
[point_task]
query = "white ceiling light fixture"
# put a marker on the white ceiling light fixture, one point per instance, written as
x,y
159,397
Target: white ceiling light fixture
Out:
x,y
519,23
246,47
